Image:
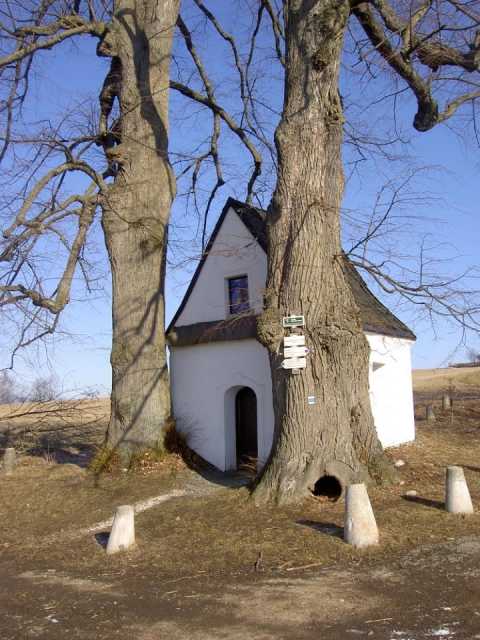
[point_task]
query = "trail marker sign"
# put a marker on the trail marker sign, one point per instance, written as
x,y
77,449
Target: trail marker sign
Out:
x,y
294,363
295,340
295,352
294,321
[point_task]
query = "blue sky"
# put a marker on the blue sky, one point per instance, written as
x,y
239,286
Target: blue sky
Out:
x,y
84,360
461,216
87,362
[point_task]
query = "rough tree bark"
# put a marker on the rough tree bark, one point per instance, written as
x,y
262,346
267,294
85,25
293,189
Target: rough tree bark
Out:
x,y
135,216
336,435
134,193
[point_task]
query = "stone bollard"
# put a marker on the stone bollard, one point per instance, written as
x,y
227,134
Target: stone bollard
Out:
x,y
446,404
431,412
122,534
360,528
9,462
457,495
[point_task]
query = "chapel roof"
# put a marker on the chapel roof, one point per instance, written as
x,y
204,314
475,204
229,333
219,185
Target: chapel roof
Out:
x,y
376,318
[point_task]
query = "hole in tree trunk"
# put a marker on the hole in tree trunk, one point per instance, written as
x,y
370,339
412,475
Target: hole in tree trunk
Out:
x,y
328,486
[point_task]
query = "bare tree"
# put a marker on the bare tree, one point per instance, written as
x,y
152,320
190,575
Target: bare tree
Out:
x,y
473,355
434,50
9,392
130,185
45,388
420,48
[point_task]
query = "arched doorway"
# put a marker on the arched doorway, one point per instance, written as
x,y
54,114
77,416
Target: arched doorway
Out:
x,y
246,424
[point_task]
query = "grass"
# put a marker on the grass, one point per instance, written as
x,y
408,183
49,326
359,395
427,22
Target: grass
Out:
x,y
46,508
462,385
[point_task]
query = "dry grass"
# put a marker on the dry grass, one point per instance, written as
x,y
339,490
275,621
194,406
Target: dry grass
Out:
x,y
46,508
67,431
462,385
435,382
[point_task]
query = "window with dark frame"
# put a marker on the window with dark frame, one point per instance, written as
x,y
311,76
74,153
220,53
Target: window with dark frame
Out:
x,y
238,295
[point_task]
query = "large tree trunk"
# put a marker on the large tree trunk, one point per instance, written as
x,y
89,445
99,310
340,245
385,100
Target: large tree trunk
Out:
x,y
336,435
135,219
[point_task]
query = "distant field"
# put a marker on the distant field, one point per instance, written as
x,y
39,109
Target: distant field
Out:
x,y
70,410
437,380
72,430
463,387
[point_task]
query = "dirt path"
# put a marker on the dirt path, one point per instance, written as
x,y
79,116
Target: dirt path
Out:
x,y
432,592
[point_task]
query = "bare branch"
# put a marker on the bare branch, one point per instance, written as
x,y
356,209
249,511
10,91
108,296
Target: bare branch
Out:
x,y
436,296
65,28
452,106
29,200
278,30
427,114
423,45
225,116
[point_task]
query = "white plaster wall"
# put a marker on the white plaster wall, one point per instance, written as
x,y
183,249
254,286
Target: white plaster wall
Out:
x,y
204,381
391,392
234,253
206,378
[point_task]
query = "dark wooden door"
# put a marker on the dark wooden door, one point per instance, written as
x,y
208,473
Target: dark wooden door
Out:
x,y
246,424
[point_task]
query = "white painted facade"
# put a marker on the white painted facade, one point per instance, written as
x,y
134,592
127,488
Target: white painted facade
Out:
x,y
204,382
391,389
234,253
205,378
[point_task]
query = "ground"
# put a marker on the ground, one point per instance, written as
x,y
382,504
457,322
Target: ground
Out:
x,y
192,572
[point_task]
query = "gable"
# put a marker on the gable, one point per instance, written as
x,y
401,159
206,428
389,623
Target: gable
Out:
x,y
238,245
232,252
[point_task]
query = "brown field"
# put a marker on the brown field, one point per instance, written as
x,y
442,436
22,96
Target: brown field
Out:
x,y
437,381
67,431
54,515
463,387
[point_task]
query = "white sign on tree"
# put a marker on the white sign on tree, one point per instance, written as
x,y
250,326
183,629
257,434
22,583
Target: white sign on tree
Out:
x,y
295,352
294,340
294,363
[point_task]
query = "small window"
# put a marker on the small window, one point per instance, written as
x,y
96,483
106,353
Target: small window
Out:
x,y
238,294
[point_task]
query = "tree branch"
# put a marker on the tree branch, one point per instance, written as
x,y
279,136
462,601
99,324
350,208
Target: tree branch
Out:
x,y
427,114
278,30
59,31
225,116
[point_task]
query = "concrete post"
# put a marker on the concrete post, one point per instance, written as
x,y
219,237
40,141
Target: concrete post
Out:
x,y
457,496
446,402
9,462
431,412
360,529
122,534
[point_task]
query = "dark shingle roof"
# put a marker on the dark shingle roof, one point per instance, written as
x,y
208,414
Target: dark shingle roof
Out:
x,y
376,318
